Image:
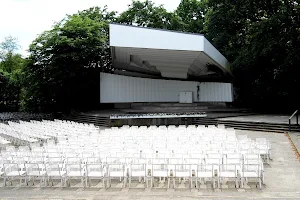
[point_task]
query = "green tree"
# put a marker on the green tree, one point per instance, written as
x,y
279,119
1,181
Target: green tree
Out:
x,y
11,65
192,13
64,62
147,14
261,39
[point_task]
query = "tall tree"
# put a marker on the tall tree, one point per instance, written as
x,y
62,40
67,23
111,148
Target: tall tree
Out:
x,y
147,14
11,65
64,63
192,13
261,39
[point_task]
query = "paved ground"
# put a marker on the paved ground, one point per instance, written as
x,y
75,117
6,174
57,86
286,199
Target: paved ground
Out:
x,y
282,179
296,140
276,119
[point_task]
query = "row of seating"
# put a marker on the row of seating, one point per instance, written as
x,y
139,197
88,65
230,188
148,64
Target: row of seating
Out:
x,y
86,172
188,153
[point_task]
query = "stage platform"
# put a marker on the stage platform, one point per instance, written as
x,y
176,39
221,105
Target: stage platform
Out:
x,y
211,114
211,110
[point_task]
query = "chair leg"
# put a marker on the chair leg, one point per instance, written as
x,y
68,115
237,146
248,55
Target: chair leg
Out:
x,y
174,183
259,183
242,182
130,182
125,181
152,182
41,181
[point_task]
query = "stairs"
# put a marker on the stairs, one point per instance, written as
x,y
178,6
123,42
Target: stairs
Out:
x,y
91,119
179,107
252,126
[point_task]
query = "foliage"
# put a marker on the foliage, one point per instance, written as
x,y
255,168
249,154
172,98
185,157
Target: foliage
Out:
x,y
192,14
261,39
147,14
65,61
11,65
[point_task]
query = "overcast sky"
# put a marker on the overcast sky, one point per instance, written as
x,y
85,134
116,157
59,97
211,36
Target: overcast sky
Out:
x,y
25,19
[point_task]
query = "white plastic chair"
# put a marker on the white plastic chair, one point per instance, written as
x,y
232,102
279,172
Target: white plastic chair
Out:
x,y
137,171
251,171
208,172
75,171
12,171
95,170
56,171
36,170
117,171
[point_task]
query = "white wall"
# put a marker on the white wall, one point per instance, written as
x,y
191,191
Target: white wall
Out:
x,y
125,89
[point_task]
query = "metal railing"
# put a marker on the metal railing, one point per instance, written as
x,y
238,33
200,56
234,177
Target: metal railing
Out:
x,y
291,117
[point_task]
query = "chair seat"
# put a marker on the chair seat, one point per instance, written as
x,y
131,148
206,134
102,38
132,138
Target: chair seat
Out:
x,y
182,174
160,173
16,173
56,173
76,173
36,173
138,173
249,175
227,174
95,174
204,174
116,174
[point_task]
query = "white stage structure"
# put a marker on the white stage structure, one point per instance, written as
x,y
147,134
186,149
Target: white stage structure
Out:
x,y
147,57
125,89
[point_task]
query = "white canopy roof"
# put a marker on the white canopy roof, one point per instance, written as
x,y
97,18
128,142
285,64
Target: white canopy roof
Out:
x,y
166,53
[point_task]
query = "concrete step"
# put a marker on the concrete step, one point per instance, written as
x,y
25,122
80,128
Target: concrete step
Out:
x,y
258,126
90,119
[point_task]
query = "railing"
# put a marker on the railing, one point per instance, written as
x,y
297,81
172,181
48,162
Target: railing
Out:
x,y
295,113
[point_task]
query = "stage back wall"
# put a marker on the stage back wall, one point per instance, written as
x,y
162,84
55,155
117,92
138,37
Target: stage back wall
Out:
x,y
125,89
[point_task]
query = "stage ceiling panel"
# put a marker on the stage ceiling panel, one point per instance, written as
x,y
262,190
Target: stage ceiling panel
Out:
x,y
164,53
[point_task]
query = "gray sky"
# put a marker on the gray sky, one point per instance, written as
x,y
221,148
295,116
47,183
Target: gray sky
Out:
x,y
25,19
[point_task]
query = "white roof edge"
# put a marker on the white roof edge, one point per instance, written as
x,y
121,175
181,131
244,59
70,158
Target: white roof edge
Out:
x,y
122,35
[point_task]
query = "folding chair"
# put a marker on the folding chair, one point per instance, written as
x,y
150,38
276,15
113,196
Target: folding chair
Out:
x,y
208,171
251,171
75,171
14,170
229,171
56,171
137,171
36,170
95,170
117,171
183,171
158,171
